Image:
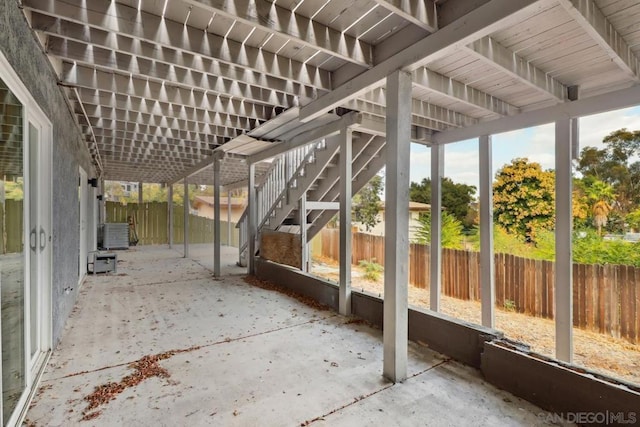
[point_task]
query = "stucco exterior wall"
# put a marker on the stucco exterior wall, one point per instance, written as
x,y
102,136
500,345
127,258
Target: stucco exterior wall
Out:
x,y
21,49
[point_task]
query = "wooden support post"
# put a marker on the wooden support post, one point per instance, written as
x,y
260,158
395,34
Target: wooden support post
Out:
x,y
302,214
216,217
186,217
564,228
396,248
487,263
252,221
139,210
346,157
170,214
437,169
229,242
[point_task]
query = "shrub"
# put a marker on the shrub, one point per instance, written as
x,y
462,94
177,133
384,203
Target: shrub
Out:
x,y
372,270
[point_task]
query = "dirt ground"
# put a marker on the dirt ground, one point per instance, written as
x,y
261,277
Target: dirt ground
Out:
x,y
598,352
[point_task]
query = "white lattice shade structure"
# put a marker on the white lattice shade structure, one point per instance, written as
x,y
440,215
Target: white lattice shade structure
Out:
x,y
157,85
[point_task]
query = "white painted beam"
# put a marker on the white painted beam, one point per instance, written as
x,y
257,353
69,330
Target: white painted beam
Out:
x,y
381,111
163,123
615,100
155,107
437,173
481,22
487,262
346,159
494,54
323,206
158,143
419,12
280,21
592,20
133,129
460,92
304,138
96,79
396,248
204,163
422,109
117,19
564,232
72,51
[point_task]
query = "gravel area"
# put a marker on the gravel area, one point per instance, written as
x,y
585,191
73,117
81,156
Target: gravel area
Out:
x,y
602,353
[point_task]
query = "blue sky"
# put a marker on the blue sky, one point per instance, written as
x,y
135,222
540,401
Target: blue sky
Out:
x,y
537,144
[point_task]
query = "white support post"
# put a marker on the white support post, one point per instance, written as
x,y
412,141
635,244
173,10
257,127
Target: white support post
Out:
x,y
487,263
346,154
170,214
252,221
564,228
304,248
437,169
186,217
103,202
396,247
229,243
139,211
216,217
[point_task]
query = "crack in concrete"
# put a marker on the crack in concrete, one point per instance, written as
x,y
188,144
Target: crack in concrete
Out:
x,y
366,396
193,348
164,282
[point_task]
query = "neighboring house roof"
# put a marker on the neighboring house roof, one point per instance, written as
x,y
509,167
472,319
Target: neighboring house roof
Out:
x,y
414,207
208,200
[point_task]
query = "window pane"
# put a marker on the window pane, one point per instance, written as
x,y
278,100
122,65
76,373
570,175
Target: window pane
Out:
x,y
11,250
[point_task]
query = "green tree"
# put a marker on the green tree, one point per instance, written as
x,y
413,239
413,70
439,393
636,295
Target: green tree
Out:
x,y
452,236
614,165
366,203
524,198
456,198
13,190
633,219
600,195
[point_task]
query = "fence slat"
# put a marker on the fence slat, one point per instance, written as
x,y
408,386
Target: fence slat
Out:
x,y
151,224
606,298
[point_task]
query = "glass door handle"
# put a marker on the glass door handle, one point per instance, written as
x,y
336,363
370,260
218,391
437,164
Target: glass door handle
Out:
x,y
43,239
33,239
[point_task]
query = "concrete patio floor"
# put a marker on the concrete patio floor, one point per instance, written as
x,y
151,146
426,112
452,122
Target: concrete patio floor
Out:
x,y
243,356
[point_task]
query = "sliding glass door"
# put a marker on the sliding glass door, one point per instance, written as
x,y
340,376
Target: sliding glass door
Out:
x,y
24,249
12,257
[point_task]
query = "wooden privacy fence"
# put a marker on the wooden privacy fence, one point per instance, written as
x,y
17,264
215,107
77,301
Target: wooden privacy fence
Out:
x,y
152,224
11,226
606,298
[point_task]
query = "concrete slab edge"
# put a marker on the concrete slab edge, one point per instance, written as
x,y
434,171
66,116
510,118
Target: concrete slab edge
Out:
x,y
579,397
560,389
